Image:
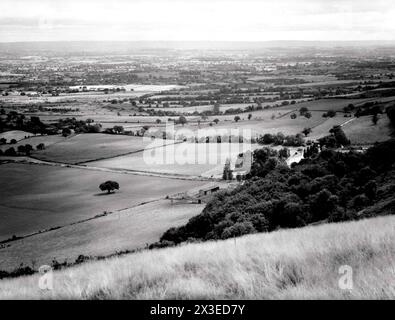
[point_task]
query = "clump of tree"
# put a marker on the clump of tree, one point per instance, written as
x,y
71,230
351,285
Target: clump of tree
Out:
x,y
293,140
280,139
329,114
306,131
18,121
330,186
340,136
40,146
182,120
303,111
68,125
284,153
25,149
369,108
118,129
10,152
349,108
390,111
109,186
228,172
336,139
66,132
311,150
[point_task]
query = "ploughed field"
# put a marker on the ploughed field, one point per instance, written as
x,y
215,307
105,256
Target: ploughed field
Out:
x,y
38,197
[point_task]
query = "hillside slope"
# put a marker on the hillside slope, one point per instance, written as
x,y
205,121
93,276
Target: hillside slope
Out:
x,y
287,264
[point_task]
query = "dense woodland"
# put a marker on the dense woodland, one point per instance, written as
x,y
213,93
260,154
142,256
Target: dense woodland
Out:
x,y
327,187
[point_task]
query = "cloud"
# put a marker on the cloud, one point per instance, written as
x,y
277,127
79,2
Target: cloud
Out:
x,y
196,20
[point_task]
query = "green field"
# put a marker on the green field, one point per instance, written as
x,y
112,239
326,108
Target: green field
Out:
x,y
337,104
191,159
86,147
15,134
38,197
34,141
362,130
223,107
284,264
125,230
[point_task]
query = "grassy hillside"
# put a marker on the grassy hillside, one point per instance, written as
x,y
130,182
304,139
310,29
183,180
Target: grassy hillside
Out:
x,y
286,264
362,131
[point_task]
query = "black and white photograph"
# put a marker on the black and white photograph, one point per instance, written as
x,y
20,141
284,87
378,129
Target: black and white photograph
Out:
x,y
197,150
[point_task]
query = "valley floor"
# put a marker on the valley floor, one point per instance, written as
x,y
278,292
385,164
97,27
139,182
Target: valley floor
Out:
x,y
353,260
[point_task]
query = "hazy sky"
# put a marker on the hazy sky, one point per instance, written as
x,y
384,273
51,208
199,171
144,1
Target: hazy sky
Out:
x,y
252,20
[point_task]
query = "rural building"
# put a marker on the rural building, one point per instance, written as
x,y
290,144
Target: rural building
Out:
x,y
32,94
208,190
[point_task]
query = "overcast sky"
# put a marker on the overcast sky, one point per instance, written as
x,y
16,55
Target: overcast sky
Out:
x,y
245,20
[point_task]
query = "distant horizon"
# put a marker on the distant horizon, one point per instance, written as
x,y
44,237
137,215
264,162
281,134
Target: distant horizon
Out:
x,y
204,41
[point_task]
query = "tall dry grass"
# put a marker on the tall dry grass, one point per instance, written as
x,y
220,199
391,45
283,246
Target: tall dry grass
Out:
x,y
287,264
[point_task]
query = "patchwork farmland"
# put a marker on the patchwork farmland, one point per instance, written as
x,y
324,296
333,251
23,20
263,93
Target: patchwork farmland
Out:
x,y
127,150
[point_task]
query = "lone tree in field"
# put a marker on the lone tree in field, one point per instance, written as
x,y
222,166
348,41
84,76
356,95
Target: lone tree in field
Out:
x,y
182,120
109,186
237,118
40,146
216,121
375,119
306,131
303,110
307,115
249,116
